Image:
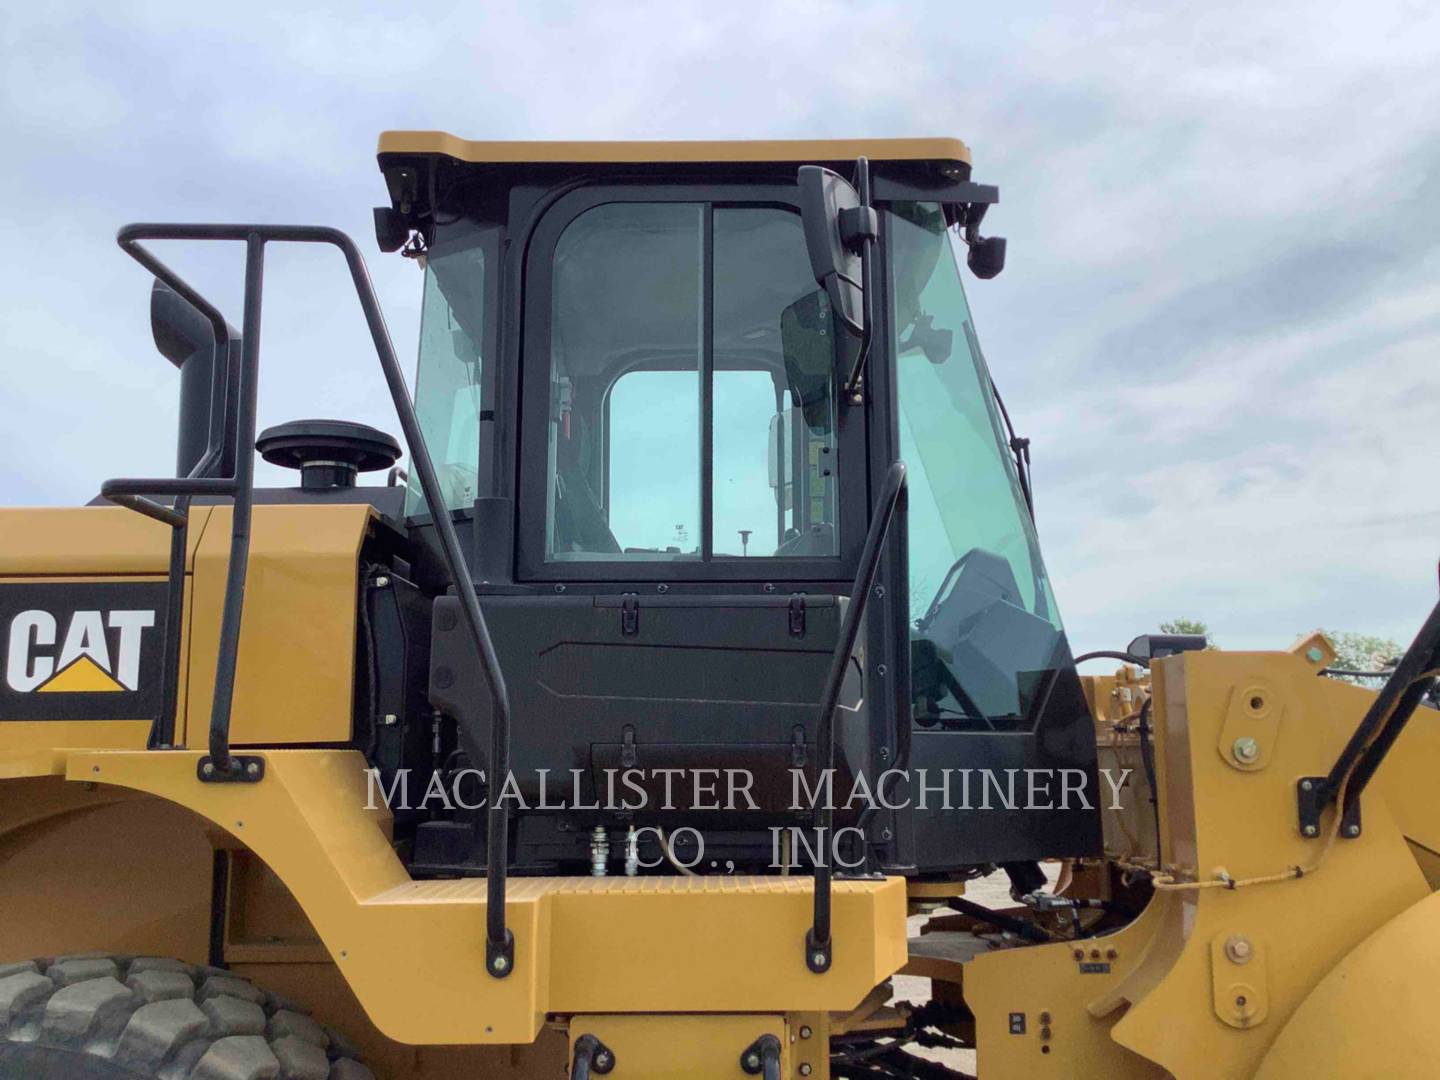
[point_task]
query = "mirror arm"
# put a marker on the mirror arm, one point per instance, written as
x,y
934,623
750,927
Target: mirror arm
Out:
x,y
859,228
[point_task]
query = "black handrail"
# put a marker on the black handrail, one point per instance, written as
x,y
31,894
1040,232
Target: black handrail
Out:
x,y
499,942
1394,704
818,946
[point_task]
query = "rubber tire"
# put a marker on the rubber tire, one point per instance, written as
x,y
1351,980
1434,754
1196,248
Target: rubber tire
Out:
x,y
101,1017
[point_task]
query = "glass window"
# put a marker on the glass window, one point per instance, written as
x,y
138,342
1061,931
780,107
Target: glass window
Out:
x,y
774,394
447,382
654,417
634,289
627,318
986,635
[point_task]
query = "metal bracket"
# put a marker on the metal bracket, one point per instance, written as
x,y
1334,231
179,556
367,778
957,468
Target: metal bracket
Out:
x,y
1313,796
762,1057
500,956
630,615
244,769
818,954
797,614
591,1056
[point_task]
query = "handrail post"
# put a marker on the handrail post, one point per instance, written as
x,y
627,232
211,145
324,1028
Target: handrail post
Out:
x,y
235,576
819,949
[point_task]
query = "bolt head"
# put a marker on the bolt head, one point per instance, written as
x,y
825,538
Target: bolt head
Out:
x,y
752,1061
1246,750
500,963
252,769
805,1031
804,1068
818,959
1310,830
1239,949
1352,830
602,1059
1307,785
208,769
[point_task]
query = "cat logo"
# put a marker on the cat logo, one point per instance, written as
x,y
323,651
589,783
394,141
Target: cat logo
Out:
x,y
84,663
80,651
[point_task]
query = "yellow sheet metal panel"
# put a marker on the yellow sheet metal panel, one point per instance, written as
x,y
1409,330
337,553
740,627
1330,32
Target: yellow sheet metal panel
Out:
x,y
644,939
41,747
413,951
96,541
1243,822
681,1047
1170,997
1374,1013
1033,1013
294,680
443,144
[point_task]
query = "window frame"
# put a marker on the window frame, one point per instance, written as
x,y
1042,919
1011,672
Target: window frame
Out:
x,y
535,372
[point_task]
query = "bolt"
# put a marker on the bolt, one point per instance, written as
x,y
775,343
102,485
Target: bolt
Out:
x,y
390,719
559,588
881,670
500,963
1306,785
752,1062
1246,750
767,587
662,588
804,1068
381,581
252,769
1310,830
885,834
805,1031
1352,830
208,769
818,959
602,1060
884,753
1239,949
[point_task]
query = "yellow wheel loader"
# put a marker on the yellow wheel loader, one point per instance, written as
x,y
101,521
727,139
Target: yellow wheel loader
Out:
x,y
655,724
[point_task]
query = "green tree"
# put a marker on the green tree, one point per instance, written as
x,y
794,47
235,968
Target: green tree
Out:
x,y
1363,652
1188,626
1184,626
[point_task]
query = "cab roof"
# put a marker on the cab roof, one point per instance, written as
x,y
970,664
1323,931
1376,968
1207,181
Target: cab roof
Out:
x,y
442,144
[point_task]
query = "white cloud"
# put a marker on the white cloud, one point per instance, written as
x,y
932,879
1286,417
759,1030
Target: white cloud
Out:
x,y
1218,321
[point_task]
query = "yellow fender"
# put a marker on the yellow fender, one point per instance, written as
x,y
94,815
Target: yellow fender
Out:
x,y
1373,1015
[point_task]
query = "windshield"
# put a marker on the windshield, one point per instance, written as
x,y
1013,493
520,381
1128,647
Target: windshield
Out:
x,y
448,375
986,638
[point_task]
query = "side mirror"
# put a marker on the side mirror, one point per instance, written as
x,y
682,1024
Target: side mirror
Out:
x,y
824,197
987,257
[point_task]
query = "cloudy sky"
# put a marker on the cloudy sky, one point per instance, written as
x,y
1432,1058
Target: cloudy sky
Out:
x,y
1220,322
